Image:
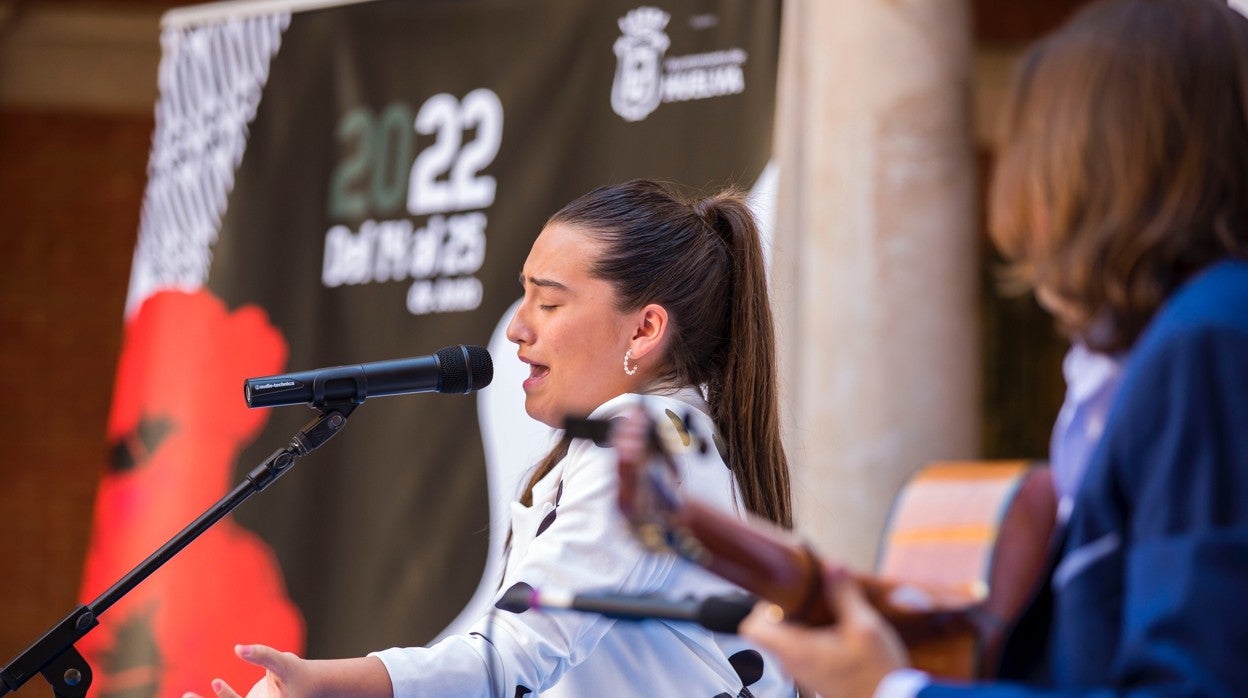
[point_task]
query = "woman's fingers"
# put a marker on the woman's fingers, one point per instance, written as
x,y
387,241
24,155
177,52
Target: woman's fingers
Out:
x,y
279,668
219,687
223,689
263,656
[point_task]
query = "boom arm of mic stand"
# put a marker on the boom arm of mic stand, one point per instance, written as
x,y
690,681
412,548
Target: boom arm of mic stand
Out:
x,y
54,655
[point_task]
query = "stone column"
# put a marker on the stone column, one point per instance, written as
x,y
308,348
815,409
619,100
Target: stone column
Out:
x,y
875,268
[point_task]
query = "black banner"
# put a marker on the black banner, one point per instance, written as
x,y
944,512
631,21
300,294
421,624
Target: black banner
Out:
x,y
355,183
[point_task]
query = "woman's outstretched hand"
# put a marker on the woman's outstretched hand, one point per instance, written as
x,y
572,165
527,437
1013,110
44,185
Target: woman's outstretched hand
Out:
x,y
847,659
286,675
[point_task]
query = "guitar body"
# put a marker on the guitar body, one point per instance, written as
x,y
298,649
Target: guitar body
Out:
x,y
976,531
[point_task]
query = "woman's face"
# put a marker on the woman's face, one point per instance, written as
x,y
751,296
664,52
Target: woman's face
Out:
x,y
568,329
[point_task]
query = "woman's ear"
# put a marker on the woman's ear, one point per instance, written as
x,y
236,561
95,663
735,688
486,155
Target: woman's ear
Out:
x,y
651,330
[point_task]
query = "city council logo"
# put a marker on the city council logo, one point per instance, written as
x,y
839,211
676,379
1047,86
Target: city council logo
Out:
x,y
638,86
646,77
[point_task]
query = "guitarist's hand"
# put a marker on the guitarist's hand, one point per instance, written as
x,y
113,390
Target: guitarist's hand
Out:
x,y
847,659
629,433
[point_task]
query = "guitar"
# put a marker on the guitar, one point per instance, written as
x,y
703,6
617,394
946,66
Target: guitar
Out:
x,y
964,545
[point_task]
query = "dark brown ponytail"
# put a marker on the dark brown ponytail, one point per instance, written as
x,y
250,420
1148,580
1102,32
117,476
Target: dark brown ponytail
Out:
x,y
743,398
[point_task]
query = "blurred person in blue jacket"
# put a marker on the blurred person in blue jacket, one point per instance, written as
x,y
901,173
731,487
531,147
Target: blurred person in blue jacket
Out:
x,y
1120,197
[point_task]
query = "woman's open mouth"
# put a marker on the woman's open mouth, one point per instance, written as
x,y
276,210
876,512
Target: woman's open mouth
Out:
x,y
536,373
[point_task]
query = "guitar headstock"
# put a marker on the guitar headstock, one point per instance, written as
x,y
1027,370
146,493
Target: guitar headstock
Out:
x,y
649,477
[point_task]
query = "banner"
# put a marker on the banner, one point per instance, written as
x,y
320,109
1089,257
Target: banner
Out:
x,y
340,183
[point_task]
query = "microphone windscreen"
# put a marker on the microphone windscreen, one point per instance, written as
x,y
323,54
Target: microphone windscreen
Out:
x,y
480,367
464,369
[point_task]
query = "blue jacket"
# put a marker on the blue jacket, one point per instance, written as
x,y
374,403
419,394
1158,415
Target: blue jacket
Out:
x,y
1148,595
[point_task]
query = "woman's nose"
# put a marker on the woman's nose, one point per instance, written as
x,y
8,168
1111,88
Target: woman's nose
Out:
x,y
518,329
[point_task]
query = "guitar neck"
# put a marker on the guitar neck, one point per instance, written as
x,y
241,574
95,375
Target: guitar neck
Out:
x,y
766,561
773,564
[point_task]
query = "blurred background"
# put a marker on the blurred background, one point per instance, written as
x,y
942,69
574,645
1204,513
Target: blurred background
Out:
x,y
863,83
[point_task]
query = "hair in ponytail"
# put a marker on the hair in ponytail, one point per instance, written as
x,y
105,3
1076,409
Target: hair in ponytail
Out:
x,y
702,260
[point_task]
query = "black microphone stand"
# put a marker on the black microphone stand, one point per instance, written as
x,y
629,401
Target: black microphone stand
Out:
x,y
54,655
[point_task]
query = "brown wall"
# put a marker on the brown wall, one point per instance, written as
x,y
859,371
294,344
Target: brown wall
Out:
x,y
70,187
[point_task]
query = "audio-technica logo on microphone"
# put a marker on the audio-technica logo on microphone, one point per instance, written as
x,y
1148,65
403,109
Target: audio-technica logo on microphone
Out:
x,y
274,386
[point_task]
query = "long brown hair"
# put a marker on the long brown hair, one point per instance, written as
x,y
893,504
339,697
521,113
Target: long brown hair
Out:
x,y
1124,166
702,260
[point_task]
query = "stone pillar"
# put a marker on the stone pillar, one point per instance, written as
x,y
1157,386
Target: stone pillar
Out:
x,y
875,268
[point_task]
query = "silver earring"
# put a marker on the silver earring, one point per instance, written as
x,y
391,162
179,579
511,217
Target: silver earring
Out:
x,y
628,355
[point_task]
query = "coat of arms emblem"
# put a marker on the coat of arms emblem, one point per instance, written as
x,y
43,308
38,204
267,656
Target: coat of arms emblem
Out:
x,y
638,86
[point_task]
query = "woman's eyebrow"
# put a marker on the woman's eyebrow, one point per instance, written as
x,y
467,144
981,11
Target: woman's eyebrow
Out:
x,y
543,283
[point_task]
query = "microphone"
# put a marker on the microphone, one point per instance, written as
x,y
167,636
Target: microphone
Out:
x,y
721,614
458,369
